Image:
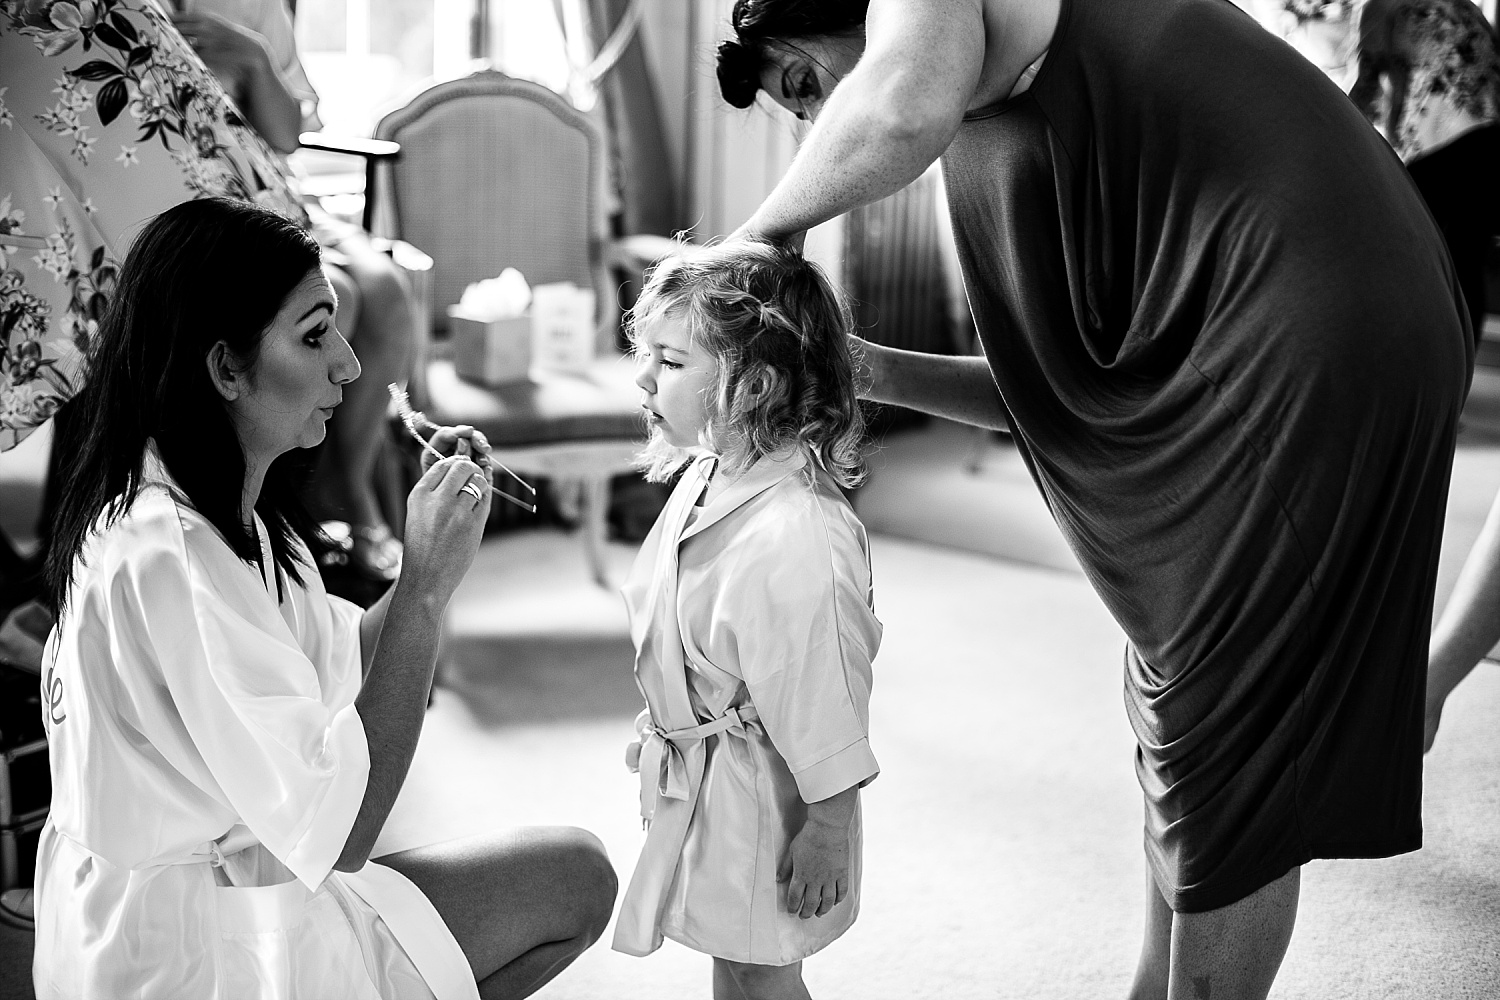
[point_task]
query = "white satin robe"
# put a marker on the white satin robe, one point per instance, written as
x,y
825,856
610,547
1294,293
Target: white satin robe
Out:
x,y
192,717
754,626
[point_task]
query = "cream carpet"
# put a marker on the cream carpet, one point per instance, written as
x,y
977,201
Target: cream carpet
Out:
x,y
1003,853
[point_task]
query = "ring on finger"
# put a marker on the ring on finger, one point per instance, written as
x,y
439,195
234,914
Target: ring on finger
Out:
x,y
472,490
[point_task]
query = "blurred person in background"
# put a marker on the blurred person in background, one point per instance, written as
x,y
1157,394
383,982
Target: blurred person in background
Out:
x,y
251,47
1325,33
1429,79
1426,74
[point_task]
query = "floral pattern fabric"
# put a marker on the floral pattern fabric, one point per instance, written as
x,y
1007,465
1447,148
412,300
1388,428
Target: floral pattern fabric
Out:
x,y
1424,56
107,117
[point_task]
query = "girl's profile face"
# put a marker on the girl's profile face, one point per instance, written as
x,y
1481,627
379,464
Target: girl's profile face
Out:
x,y
285,399
675,376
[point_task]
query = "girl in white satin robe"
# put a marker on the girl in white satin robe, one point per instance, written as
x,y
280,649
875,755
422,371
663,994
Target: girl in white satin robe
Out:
x,y
751,610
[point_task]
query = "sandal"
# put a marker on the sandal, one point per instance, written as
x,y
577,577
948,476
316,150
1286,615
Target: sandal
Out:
x,y
375,553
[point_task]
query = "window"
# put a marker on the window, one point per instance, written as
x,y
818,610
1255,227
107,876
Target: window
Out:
x,y
364,56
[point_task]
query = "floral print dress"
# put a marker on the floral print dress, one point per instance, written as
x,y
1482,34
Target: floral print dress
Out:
x,y
1425,59
107,117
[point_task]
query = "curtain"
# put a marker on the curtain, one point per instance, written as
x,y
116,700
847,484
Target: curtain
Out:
x,y
637,136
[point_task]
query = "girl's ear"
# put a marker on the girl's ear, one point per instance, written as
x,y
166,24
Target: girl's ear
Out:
x,y
760,382
226,377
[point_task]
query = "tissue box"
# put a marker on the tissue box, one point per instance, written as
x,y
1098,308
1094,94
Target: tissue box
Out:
x,y
491,352
563,330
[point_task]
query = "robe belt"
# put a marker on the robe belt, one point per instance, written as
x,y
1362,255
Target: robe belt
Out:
x,y
215,851
212,852
663,770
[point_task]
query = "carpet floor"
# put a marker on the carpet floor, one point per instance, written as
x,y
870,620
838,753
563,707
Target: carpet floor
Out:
x,y
1003,834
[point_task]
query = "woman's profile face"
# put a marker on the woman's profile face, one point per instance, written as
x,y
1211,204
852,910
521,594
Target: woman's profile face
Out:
x,y
800,74
285,399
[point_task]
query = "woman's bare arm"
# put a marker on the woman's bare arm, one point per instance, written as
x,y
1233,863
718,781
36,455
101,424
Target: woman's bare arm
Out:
x,y
242,60
370,625
889,119
392,704
1470,623
956,387
443,529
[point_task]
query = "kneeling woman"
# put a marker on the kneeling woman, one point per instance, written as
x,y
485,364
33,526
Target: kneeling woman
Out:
x,y
227,740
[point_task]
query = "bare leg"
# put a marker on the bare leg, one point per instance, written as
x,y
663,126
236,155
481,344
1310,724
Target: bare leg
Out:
x,y
523,905
1234,953
725,988
764,982
1155,968
375,314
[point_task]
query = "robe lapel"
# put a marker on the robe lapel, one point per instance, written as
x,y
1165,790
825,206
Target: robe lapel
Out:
x,y
662,675
754,481
154,473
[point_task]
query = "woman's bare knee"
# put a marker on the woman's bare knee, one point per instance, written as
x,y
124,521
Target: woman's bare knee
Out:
x,y
588,880
387,301
545,889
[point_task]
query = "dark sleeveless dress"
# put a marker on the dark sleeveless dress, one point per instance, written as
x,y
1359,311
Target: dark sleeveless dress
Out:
x,y
1233,353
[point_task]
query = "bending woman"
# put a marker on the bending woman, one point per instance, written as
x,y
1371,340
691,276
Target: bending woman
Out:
x,y
226,739
1225,334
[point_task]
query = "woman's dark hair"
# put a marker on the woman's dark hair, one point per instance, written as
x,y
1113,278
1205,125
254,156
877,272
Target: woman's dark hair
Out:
x,y
201,272
761,24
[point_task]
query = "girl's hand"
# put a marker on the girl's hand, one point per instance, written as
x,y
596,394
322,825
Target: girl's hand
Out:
x,y
445,517
817,872
462,440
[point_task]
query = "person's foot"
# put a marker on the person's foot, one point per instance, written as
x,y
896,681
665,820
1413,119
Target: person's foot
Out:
x,y
16,909
375,553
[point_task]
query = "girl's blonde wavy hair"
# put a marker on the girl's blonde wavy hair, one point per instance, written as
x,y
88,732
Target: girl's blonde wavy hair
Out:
x,y
779,332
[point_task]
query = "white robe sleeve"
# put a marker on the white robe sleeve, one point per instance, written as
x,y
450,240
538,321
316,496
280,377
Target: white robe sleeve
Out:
x,y
327,629
804,637
291,767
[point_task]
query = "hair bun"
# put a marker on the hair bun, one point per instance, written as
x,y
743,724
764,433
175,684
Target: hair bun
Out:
x,y
738,70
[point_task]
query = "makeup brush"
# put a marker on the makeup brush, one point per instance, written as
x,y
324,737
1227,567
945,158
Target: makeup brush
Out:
x,y
415,421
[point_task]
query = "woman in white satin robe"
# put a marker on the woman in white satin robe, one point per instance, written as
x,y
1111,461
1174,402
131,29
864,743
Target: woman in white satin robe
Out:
x,y
226,739
224,730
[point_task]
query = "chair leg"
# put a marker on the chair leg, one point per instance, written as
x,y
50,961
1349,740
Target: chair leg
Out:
x,y
591,525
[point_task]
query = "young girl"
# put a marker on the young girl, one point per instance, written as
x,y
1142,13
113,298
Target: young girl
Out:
x,y
751,611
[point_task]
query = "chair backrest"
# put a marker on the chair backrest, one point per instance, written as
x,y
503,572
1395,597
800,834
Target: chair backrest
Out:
x,y
497,172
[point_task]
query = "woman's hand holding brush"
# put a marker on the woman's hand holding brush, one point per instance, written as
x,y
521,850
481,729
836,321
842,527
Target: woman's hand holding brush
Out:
x,y
460,440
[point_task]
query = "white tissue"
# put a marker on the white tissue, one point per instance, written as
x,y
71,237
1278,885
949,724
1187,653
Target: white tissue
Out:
x,y
502,297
